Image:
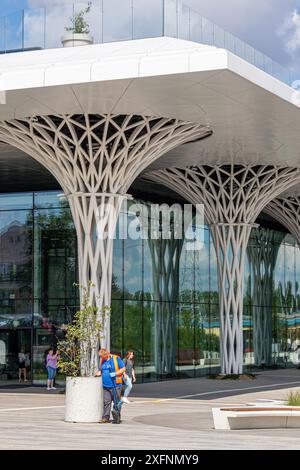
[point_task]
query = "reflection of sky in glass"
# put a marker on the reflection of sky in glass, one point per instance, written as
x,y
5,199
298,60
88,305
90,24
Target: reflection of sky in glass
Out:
x,y
279,273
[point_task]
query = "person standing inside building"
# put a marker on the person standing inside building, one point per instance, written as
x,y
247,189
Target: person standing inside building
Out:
x,y
129,376
51,365
22,366
27,363
111,369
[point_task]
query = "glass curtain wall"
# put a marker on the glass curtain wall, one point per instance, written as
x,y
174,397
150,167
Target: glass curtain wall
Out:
x,y
164,293
37,272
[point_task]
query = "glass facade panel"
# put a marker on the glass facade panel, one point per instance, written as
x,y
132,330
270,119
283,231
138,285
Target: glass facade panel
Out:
x,y
50,200
117,27
149,353
207,32
35,28
219,36
12,343
94,17
133,332
14,31
148,19
16,240
195,27
202,339
214,338
186,351
279,308
15,201
170,18
184,30
202,269
58,18
133,262
2,35
230,42
117,326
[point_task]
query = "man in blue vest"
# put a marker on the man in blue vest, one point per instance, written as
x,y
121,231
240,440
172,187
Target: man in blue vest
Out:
x,y
111,369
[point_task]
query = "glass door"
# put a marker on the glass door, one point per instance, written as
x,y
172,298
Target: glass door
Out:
x,y
15,357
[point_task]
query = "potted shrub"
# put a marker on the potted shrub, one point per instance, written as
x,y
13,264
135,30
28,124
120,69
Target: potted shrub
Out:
x,y
79,362
79,32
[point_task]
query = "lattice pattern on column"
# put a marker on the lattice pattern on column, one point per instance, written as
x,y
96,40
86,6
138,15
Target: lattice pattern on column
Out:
x,y
95,158
96,213
98,153
287,211
231,242
165,258
233,195
262,254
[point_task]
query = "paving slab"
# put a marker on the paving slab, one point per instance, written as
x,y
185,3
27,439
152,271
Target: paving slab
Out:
x,y
36,421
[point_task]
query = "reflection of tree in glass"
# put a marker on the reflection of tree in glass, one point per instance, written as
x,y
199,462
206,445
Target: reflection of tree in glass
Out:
x,y
55,263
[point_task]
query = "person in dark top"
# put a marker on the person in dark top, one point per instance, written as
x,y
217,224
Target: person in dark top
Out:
x,y
129,375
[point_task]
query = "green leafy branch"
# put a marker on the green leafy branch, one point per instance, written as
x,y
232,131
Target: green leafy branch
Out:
x,y
79,349
80,25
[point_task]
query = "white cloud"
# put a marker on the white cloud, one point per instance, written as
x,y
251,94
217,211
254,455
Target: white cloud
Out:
x,y
290,31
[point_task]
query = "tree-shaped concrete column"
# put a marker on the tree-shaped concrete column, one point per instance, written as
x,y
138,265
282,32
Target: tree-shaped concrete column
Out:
x,y
233,196
96,158
262,251
165,257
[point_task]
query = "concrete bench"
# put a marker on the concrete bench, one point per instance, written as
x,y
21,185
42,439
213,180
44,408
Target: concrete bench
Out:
x,y
256,417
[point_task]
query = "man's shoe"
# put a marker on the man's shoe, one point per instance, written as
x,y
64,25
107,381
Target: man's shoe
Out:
x,y
116,417
125,400
104,421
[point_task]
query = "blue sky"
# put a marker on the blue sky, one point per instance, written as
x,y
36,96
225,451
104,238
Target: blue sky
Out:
x,y
272,26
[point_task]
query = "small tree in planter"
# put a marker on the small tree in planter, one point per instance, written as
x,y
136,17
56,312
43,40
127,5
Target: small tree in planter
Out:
x,y
79,362
79,32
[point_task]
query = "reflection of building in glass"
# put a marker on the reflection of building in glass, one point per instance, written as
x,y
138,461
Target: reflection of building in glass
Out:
x,y
176,116
149,279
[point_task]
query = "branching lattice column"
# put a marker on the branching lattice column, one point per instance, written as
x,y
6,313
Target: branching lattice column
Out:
x,y
262,253
230,241
96,158
233,196
165,257
95,218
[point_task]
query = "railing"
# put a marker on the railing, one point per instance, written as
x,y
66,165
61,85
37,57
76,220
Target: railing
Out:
x,y
123,20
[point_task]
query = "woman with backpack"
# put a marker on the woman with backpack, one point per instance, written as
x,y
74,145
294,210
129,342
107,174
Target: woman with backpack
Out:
x,y
129,375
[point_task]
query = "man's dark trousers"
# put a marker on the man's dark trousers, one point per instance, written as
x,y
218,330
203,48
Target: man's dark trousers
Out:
x,y
111,395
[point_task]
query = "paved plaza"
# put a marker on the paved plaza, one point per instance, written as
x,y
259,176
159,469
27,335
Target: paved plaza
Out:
x,y
155,419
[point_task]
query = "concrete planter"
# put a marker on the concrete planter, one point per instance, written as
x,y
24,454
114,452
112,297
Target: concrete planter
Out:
x,y
84,399
76,39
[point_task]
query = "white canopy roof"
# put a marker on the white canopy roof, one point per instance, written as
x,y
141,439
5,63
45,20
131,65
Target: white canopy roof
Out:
x,y
255,118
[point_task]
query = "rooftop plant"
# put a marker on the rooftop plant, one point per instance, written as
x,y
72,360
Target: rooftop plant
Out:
x,y
79,24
